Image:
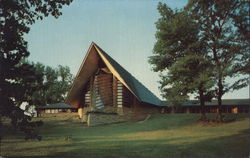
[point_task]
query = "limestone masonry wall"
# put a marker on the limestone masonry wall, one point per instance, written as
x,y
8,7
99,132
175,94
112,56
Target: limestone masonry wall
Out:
x,y
95,119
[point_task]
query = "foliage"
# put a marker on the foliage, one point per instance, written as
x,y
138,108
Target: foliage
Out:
x,y
181,57
215,33
224,28
54,86
175,33
17,78
192,74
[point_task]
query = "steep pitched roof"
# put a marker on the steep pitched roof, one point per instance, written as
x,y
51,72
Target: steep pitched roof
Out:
x,y
135,87
138,89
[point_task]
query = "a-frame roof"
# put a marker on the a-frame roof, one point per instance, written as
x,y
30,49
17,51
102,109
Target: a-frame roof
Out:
x,y
89,67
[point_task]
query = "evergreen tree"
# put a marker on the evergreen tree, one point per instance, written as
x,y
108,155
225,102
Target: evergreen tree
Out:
x,y
189,75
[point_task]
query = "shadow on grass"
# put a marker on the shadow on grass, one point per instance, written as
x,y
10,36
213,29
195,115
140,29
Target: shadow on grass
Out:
x,y
233,146
156,122
104,141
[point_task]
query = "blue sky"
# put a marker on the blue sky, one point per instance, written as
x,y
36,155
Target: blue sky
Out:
x,y
123,28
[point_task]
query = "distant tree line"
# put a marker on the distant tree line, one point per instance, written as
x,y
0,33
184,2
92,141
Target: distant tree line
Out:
x,y
199,47
52,86
42,85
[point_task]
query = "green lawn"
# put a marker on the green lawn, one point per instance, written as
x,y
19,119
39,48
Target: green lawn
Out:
x,y
163,135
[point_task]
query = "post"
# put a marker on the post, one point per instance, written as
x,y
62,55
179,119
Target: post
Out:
x,y
80,112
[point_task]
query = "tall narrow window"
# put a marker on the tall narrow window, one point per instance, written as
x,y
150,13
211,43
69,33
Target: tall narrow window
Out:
x,y
119,94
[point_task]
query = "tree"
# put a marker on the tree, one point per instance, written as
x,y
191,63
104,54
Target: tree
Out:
x,y
65,80
180,57
38,97
54,85
217,31
16,16
224,27
190,75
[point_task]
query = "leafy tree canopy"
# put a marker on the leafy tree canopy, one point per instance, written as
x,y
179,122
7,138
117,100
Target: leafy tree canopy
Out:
x,y
198,47
54,85
17,78
224,26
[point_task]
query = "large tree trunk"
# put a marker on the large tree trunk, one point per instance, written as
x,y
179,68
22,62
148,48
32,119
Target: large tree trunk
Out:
x,y
202,104
220,93
220,85
173,109
0,134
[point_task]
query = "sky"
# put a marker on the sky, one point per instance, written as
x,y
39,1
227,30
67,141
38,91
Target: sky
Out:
x,y
125,29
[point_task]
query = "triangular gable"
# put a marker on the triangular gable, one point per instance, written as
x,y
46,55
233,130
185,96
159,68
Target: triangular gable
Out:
x,y
88,67
96,53
136,87
113,68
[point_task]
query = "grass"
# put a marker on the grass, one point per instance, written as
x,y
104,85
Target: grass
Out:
x,y
163,135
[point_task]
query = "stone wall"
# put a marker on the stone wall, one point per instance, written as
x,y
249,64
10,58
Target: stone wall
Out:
x,y
110,114
98,118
